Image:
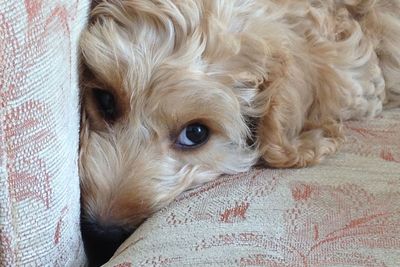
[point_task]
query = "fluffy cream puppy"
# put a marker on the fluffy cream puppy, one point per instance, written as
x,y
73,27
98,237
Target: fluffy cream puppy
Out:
x,y
178,92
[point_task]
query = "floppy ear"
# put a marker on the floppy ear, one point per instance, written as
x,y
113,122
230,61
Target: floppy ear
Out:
x,y
285,136
274,91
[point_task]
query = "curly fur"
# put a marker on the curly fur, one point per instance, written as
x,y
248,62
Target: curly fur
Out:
x,y
283,74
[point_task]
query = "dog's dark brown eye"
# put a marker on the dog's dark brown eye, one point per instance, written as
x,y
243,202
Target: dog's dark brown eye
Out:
x,y
193,135
105,103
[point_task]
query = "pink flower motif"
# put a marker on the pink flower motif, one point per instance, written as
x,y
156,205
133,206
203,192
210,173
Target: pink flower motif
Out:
x,y
27,134
238,211
27,125
377,138
6,252
342,218
33,8
58,232
28,175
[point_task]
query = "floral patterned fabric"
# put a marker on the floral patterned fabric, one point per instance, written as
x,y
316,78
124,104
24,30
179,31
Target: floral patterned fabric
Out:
x,y
344,212
39,125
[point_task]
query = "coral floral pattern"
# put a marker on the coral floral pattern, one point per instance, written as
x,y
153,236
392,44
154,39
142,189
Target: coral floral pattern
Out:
x,y
343,212
39,123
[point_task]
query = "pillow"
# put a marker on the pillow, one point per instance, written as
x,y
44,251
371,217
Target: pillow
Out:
x,y
39,126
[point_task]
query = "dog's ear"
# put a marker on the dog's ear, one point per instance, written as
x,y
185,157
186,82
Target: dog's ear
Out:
x,y
285,136
274,93
119,29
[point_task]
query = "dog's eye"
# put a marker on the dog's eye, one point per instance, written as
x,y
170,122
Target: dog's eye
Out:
x,y
193,135
105,103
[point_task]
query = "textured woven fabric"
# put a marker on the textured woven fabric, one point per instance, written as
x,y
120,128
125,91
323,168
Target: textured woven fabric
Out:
x,y
344,212
39,123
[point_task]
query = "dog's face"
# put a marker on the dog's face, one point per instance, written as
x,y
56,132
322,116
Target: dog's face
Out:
x,y
159,112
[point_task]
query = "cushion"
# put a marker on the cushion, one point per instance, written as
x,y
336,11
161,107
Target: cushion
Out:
x,y
343,212
39,126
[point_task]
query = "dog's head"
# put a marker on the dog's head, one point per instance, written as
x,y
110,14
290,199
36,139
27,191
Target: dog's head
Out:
x,y
165,101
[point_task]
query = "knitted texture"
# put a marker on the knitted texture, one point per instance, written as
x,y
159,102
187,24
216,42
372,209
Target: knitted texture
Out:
x,y
39,125
343,212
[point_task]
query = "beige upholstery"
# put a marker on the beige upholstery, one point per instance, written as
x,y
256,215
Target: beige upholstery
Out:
x,y
39,123
344,212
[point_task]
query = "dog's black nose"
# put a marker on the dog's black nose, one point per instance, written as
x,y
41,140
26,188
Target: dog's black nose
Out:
x,y
101,241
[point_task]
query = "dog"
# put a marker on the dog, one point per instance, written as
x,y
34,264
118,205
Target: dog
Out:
x,y
177,92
